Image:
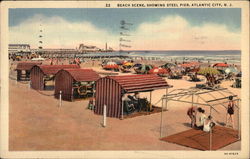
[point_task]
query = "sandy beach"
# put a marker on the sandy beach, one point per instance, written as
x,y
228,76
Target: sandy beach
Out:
x,y
36,122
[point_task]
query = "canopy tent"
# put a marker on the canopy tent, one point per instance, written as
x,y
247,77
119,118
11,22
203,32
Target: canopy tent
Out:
x,y
110,89
40,74
75,82
231,70
26,67
213,98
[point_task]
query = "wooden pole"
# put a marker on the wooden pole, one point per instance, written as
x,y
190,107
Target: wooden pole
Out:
x,y
122,109
166,100
94,94
161,117
239,120
192,99
104,115
60,99
150,99
210,132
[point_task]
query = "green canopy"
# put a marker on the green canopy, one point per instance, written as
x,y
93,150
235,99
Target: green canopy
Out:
x,y
168,65
210,70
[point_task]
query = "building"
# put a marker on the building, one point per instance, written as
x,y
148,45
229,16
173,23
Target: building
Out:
x,y
19,48
110,89
88,48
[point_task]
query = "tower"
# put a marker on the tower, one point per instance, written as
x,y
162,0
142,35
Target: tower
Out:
x,y
40,38
124,34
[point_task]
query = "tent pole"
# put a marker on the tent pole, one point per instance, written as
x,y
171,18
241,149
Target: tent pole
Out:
x,y
192,99
122,109
166,100
150,99
161,117
210,133
239,117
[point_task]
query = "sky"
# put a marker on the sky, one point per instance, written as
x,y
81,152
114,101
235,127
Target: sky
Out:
x,y
152,29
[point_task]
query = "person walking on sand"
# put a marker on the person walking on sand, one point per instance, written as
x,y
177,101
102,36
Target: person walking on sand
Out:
x,y
191,112
230,112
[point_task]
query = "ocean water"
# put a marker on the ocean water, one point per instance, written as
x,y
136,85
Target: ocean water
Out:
x,y
229,56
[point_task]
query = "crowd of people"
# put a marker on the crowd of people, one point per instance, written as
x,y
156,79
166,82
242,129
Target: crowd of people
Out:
x,y
200,121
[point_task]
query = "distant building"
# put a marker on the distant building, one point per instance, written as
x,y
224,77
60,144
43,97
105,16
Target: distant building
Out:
x,y
19,48
88,48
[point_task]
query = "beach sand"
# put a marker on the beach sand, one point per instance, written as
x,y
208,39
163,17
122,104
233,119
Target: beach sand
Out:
x,y
36,122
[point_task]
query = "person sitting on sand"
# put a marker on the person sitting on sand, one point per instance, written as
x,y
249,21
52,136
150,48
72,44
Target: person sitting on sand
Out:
x,y
200,118
191,112
208,124
137,101
128,101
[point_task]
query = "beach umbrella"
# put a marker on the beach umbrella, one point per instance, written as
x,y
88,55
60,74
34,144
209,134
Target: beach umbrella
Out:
x,y
222,71
220,65
231,70
137,65
206,70
168,65
143,68
146,67
128,64
190,64
118,62
111,65
158,70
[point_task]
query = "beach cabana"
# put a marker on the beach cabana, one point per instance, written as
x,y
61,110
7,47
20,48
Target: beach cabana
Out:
x,y
109,91
40,74
75,83
23,70
220,136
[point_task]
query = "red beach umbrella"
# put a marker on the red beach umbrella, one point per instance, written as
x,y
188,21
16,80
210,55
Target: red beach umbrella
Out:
x,y
111,65
220,65
159,71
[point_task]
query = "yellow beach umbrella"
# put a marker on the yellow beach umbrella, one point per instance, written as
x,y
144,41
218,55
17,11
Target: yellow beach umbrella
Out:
x,y
128,64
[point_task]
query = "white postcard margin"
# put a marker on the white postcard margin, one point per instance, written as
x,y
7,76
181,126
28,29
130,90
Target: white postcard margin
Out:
x,y
243,153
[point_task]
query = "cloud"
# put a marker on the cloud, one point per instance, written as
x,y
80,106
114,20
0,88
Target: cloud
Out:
x,y
169,33
176,33
60,33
